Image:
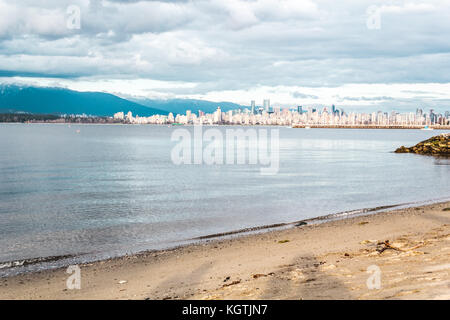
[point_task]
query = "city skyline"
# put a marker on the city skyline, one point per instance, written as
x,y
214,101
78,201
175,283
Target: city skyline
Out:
x,y
299,115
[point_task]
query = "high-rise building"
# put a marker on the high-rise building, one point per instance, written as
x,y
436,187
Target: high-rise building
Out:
x,y
218,116
300,109
129,116
266,105
253,106
188,115
433,116
119,116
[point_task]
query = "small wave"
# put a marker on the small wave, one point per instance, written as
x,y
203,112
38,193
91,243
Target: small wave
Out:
x,y
31,261
324,218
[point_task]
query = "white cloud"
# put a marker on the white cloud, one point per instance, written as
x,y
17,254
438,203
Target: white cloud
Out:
x,y
285,9
31,20
241,14
400,96
408,7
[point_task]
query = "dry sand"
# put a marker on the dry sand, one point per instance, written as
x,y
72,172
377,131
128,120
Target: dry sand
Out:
x,y
324,261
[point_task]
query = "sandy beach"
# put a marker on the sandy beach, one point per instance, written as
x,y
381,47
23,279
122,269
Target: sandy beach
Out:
x,y
322,261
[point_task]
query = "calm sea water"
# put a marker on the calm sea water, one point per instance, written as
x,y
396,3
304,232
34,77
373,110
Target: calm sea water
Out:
x,y
99,190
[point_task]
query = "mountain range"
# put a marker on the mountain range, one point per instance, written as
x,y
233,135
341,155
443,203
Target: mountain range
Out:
x,y
54,100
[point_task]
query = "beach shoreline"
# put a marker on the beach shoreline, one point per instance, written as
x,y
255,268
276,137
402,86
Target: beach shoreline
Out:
x,y
318,261
46,263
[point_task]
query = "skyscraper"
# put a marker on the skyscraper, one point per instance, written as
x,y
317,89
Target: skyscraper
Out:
x,y
433,116
253,106
266,105
218,116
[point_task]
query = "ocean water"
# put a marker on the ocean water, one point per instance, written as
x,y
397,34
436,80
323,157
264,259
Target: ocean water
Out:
x,y
95,191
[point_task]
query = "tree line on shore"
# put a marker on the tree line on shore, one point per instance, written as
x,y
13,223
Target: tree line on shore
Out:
x,y
24,117
30,117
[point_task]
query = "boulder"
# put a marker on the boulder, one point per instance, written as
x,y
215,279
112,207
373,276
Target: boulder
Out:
x,y
438,146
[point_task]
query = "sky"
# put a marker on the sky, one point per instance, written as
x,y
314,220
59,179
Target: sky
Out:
x,y
359,55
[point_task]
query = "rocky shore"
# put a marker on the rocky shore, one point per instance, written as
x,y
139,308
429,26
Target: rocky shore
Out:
x,y
438,146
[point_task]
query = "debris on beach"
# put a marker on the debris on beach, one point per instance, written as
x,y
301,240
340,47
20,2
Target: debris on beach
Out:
x,y
283,241
383,246
231,283
437,146
259,275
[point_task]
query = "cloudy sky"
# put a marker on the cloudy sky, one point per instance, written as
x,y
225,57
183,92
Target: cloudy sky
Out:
x,y
361,55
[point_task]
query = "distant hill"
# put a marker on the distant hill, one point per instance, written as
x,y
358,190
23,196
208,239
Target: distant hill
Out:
x,y
43,100
179,106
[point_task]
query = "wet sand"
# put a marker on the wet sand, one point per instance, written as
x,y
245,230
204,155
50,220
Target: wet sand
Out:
x,y
322,261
